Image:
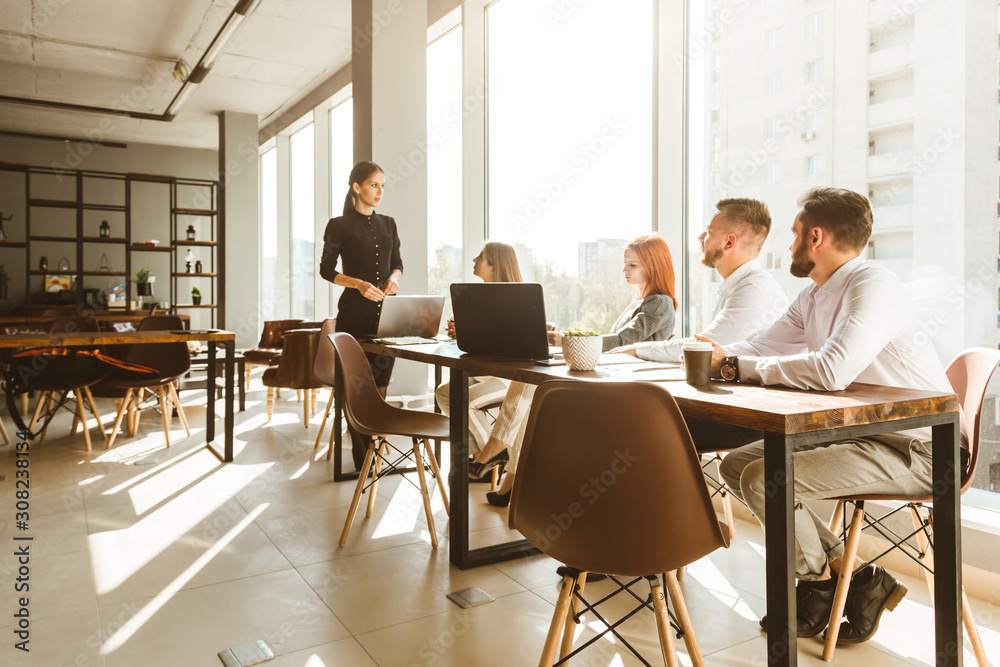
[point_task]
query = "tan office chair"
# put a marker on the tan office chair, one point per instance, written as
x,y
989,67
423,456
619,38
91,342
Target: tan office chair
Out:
x,y
652,513
370,415
969,373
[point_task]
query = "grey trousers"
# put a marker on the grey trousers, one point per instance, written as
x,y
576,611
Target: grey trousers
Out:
x,y
890,464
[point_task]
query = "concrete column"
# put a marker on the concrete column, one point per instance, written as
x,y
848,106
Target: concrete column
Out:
x,y
239,235
473,133
389,78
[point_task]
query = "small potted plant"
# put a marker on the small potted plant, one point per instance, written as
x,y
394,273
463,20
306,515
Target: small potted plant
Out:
x,y
196,296
144,282
581,349
4,281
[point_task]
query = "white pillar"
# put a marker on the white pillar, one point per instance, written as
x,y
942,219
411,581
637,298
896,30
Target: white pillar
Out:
x,y
239,236
389,78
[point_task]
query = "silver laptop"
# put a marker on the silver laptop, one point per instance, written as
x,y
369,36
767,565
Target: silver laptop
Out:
x,y
410,317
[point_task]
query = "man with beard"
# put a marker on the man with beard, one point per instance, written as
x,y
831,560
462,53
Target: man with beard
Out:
x,y
749,298
855,323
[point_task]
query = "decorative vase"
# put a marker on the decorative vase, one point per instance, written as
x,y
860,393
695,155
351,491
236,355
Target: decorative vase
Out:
x,y
144,289
581,352
196,300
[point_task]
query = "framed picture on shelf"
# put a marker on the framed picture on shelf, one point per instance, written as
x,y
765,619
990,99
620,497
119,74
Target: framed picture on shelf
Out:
x,y
56,282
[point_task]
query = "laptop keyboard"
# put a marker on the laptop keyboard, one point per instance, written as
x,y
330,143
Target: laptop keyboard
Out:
x,y
406,340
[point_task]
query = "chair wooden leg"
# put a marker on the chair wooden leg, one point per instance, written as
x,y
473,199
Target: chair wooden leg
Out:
x,y
426,496
48,406
3,432
495,478
558,621
277,391
162,393
663,628
298,394
918,522
247,366
973,632
569,629
24,404
305,409
377,468
357,492
838,516
677,597
844,581
38,410
81,414
437,476
680,573
93,409
333,442
312,399
118,418
326,415
270,402
180,409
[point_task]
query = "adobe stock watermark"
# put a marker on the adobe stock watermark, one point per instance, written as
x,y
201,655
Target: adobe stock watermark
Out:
x,y
579,161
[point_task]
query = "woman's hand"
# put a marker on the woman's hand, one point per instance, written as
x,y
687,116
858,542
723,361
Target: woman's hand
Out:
x,y
390,287
555,338
369,291
450,327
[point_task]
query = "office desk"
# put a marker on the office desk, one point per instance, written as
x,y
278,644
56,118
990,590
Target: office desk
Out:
x,y
789,418
225,338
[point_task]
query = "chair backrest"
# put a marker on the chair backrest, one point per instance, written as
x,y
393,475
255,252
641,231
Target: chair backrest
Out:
x,y
295,366
969,374
323,367
270,337
170,359
608,480
363,404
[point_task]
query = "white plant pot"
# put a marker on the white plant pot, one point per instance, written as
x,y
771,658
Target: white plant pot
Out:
x,y
581,352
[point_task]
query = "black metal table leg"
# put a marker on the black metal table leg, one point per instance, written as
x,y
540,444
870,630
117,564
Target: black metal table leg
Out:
x,y
947,544
210,388
459,483
230,371
782,636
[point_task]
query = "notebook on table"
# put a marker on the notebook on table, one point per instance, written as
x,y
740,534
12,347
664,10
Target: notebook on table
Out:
x,y
500,320
408,320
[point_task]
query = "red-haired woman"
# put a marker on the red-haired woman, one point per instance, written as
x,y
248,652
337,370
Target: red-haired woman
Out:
x,y
649,268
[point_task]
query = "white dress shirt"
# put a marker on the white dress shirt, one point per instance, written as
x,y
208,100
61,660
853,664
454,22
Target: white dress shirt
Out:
x,y
860,326
749,300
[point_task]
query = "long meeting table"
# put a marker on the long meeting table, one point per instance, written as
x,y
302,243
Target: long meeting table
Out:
x,y
226,339
789,418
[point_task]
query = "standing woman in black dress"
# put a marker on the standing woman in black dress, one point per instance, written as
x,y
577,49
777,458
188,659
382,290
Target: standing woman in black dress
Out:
x,y
368,245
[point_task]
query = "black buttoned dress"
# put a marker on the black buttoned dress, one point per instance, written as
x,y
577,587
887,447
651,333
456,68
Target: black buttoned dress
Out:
x,y
368,247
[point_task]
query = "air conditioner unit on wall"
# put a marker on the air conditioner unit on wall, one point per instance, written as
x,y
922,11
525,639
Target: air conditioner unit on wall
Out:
x,y
808,135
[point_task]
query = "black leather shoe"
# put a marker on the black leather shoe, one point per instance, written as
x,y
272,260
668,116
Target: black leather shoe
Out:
x,y
498,499
872,592
477,469
485,479
813,605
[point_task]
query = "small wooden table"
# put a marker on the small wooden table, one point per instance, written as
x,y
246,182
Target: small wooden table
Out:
x,y
788,417
226,339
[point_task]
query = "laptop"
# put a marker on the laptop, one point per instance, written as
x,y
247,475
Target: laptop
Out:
x,y
409,319
500,320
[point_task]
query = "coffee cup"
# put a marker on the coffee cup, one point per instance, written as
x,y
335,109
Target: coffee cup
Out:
x,y
697,362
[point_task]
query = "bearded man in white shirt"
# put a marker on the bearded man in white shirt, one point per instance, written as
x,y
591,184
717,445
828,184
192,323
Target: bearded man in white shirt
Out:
x,y
854,324
748,301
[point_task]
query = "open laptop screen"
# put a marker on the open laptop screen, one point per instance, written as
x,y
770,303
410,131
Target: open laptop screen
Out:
x,y
505,320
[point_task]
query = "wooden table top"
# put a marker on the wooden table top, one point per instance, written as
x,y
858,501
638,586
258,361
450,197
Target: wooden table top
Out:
x,y
775,409
113,338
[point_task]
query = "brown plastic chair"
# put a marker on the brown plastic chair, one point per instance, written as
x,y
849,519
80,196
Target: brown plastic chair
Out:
x,y
171,360
269,348
323,371
294,369
370,415
608,481
61,327
969,373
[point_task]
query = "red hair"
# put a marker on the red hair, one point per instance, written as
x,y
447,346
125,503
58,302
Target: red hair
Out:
x,y
654,255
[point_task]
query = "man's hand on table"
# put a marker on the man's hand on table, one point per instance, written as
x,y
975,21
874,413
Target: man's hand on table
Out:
x,y
718,355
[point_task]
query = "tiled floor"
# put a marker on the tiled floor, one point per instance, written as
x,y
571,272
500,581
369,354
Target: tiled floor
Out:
x,y
146,556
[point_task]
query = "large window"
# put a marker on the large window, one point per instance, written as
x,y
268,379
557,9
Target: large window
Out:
x,y
303,263
269,232
911,123
570,158
341,153
444,164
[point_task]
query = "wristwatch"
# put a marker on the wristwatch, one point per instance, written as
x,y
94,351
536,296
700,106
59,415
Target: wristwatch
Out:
x,y
730,369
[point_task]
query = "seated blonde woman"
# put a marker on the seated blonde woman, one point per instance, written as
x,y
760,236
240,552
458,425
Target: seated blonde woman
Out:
x,y
648,267
496,263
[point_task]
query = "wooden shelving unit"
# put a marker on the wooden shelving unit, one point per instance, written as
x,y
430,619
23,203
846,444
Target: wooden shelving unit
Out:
x,y
65,216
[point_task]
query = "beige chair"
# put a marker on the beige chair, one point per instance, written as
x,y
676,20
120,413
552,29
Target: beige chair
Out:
x,y
969,373
650,516
369,414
